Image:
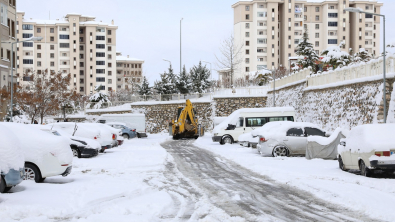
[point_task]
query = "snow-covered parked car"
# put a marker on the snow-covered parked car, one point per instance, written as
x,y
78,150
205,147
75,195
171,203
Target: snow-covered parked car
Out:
x,y
127,132
286,138
81,130
108,134
246,120
81,147
133,121
248,140
12,161
368,148
45,155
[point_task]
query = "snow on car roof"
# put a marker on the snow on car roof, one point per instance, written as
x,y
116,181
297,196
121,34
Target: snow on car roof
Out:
x,y
116,123
36,144
372,136
236,114
279,128
11,156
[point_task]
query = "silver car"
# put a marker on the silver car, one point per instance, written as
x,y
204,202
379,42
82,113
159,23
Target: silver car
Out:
x,y
286,138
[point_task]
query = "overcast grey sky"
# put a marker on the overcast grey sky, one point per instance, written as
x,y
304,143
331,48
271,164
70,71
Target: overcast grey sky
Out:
x,y
150,30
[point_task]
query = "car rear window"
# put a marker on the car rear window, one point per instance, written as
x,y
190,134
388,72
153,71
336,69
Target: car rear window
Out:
x,y
295,132
314,132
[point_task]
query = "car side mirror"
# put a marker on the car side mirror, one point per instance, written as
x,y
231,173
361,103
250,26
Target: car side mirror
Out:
x,y
231,127
343,143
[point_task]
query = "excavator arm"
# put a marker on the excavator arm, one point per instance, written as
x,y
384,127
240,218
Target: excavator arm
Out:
x,y
186,125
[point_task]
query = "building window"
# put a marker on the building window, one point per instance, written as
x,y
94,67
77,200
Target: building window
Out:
x,y
100,46
39,55
81,72
28,61
109,40
247,69
109,64
26,35
332,41
247,60
332,15
24,27
262,14
332,24
247,8
108,32
109,48
52,55
109,73
368,16
52,30
28,44
52,64
305,9
100,37
81,64
317,9
64,45
38,46
100,79
100,63
317,35
247,34
52,38
247,51
317,26
247,43
247,25
109,81
100,54
317,44
64,37
52,47
247,17
317,17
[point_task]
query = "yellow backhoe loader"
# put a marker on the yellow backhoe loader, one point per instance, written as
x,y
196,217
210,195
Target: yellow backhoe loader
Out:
x,y
185,125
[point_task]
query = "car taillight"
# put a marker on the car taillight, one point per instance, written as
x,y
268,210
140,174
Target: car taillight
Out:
x,y
382,153
95,138
113,136
133,130
262,139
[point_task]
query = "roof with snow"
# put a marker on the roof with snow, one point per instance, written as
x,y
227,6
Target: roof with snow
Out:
x,y
126,59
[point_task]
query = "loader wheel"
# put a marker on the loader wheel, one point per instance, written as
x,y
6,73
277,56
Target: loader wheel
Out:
x,y
175,137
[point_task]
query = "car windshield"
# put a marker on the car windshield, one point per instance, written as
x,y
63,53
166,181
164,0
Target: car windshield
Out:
x,y
56,133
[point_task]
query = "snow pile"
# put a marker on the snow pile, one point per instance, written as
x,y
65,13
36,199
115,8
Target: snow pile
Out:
x,y
36,144
248,137
234,117
11,156
369,137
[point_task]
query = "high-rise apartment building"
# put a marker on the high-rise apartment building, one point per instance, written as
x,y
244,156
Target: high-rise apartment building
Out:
x,y
7,32
129,70
77,44
269,31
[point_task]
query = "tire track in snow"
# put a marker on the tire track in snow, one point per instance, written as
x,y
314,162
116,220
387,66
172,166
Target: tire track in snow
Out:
x,y
244,194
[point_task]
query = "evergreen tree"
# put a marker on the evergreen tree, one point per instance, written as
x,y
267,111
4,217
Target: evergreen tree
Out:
x,y
184,82
200,78
167,84
99,99
335,57
145,89
306,50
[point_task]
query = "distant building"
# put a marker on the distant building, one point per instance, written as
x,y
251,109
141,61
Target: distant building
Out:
x,y
77,44
129,70
270,30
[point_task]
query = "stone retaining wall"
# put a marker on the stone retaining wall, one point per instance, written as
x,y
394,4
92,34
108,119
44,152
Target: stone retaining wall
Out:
x,y
341,106
226,106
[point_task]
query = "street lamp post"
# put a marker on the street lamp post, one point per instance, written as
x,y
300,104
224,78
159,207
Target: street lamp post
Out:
x,y
180,43
358,10
32,39
167,61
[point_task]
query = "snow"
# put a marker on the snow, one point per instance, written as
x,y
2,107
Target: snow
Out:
x,y
248,137
369,137
279,129
326,140
232,118
36,144
11,156
322,178
287,85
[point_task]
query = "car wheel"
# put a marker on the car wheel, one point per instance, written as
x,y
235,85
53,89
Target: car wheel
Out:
x,y
341,164
280,151
125,136
364,170
2,185
32,173
227,139
76,153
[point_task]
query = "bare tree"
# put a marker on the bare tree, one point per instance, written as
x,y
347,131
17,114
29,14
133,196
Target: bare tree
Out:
x,y
230,57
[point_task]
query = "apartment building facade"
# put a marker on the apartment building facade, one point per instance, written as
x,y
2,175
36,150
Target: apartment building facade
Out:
x,y
269,31
77,45
129,72
8,33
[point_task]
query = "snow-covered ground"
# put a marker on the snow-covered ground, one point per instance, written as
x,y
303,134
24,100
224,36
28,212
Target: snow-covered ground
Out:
x,y
323,178
110,187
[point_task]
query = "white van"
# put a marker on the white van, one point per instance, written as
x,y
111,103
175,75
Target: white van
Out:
x,y
134,121
245,120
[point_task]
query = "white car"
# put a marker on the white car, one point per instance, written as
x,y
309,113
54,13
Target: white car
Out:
x,y
286,138
246,120
368,148
108,134
81,130
45,155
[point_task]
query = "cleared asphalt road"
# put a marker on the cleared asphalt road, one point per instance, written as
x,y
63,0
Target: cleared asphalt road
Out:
x,y
242,193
